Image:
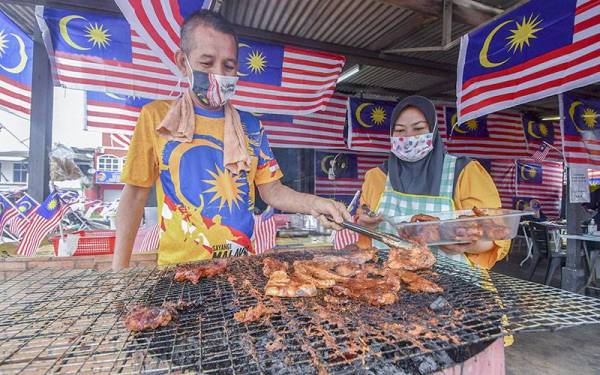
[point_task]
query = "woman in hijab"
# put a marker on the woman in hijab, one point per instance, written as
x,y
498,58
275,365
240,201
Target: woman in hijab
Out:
x,y
419,177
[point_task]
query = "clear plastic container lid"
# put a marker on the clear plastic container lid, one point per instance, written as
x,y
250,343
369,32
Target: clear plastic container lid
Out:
x,y
452,227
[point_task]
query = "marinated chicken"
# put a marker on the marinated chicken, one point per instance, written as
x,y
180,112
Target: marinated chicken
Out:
x,y
193,273
141,318
376,292
271,265
419,284
413,259
280,284
252,314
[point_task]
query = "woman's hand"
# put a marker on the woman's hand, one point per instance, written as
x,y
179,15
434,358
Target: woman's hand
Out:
x,y
475,247
368,221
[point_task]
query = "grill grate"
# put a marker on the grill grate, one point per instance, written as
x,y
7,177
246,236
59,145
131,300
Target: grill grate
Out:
x,y
71,321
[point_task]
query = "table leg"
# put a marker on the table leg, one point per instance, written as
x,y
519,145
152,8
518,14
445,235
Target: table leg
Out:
x,y
529,249
590,267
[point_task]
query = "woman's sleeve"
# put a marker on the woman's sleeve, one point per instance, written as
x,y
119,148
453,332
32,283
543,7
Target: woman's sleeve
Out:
x,y
372,188
475,188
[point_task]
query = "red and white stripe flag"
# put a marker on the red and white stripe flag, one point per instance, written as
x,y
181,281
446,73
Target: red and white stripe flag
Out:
x,y
321,129
344,238
45,219
541,48
147,239
549,191
265,232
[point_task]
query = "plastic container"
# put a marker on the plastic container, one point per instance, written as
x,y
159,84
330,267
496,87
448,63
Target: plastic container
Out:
x,y
95,242
461,226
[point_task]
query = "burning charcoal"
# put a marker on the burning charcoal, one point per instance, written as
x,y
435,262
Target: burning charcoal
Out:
x,y
440,303
444,359
427,365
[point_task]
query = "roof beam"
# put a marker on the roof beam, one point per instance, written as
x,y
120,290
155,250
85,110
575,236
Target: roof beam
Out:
x,y
357,55
465,11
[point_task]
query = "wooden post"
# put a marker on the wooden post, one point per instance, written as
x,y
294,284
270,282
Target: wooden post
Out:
x,y
40,123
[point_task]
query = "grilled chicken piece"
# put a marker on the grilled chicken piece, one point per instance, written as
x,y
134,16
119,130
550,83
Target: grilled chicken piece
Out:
x,y
271,265
281,285
319,271
141,318
347,269
376,296
301,273
252,314
422,217
194,273
363,256
415,258
419,284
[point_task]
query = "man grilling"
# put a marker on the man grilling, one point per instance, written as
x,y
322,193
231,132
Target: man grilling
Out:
x,y
205,158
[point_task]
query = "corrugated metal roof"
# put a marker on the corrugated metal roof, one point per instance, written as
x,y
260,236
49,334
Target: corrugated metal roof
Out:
x,y
22,15
392,79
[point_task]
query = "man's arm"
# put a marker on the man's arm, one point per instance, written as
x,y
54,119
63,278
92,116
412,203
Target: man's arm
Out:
x,y
286,199
129,215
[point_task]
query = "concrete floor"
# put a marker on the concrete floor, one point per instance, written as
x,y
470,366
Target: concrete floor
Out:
x,y
568,351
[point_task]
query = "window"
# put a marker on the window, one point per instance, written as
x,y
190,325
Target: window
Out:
x,y
20,172
109,163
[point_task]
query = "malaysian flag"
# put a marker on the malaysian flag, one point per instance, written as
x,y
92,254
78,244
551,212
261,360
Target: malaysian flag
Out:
x,y
16,52
542,48
44,220
369,124
116,141
108,111
147,239
322,129
350,173
274,78
159,23
541,154
497,135
581,124
265,231
99,52
9,211
543,181
26,206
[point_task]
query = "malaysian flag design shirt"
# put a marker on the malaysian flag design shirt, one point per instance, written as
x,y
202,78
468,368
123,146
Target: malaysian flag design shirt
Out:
x,y
204,210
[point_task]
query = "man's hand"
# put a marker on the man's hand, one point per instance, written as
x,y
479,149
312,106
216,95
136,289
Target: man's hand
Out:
x,y
475,247
129,215
330,213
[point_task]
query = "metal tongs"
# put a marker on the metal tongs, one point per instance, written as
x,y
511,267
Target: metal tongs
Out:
x,y
388,239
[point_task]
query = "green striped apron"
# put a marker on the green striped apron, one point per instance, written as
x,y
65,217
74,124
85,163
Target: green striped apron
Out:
x,y
393,203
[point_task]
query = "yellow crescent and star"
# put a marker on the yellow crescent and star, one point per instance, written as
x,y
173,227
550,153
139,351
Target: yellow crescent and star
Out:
x,y
541,127
528,172
589,116
97,35
255,62
377,114
520,37
52,204
325,163
470,125
25,206
23,58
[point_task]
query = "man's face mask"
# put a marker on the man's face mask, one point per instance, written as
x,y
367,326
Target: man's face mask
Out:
x,y
214,90
412,148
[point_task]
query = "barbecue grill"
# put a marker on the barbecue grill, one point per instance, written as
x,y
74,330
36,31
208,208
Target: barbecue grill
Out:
x,y
69,321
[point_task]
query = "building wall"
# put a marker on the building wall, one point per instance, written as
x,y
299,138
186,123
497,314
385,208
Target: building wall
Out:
x,y
6,176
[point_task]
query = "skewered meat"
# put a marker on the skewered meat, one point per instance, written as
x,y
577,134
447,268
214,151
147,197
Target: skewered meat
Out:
x,y
281,285
252,314
141,318
413,259
419,284
194,273
271,265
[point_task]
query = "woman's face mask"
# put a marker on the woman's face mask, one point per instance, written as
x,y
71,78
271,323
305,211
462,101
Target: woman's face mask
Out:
x,y
412,148
213,90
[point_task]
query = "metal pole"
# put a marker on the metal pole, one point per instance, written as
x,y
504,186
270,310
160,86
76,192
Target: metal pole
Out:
x,y
573,273
40,125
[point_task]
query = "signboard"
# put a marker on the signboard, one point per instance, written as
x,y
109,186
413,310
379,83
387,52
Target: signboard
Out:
x,y
108,178
579,190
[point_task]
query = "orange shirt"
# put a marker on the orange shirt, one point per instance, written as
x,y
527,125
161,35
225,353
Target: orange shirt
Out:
x,y
474,188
